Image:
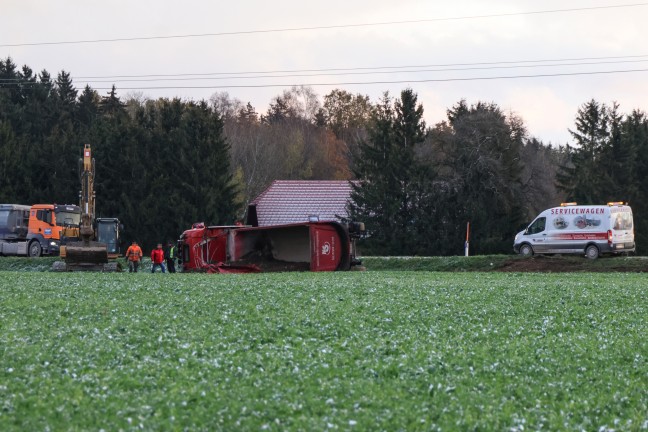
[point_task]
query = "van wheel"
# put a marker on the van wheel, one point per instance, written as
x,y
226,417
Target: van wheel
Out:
x,y
526,250
591,252
35,249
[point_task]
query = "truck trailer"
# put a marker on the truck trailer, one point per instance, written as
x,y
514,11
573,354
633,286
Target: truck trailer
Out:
x,y
309,246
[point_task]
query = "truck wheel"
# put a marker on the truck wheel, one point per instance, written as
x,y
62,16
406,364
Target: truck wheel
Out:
x,y
35,249
591,252
526,250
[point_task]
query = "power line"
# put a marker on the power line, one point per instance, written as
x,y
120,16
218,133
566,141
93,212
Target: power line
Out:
x,y
369,68
356,71
379,82
329,27
383,72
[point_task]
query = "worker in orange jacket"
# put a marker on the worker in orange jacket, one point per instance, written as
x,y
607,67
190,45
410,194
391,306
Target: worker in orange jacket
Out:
x,y
157,258
134,255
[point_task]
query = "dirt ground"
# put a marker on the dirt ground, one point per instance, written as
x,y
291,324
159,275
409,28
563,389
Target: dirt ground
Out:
x,y
559,264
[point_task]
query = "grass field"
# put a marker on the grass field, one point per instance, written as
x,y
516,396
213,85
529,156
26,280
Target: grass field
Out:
x,y
330,351
481,263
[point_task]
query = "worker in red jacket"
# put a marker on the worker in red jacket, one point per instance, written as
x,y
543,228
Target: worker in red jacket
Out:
x,y
157,258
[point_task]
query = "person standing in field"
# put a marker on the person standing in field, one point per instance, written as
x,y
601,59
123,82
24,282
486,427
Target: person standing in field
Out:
x,y
170,256
134,255
157,258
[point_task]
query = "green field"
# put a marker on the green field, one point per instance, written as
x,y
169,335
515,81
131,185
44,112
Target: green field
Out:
x,y
372,350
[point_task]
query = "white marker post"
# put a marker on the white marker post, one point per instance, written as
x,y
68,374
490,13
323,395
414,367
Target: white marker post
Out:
x,y
467,245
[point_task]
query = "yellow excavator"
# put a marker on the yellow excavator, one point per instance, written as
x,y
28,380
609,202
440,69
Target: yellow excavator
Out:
x,y
88,254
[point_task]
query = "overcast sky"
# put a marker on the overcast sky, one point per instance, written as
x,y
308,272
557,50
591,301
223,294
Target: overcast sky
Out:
x,y
444,50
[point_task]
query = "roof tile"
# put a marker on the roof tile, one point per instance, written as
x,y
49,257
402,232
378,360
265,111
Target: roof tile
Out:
x,y
293,201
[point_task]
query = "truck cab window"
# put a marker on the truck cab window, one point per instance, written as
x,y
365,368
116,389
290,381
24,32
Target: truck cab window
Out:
x,y
44,215
537,226
68,218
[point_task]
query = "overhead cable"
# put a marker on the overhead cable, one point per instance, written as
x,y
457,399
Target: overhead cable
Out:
x,y
326,27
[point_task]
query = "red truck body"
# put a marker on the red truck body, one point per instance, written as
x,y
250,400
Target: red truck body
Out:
x,y
314,246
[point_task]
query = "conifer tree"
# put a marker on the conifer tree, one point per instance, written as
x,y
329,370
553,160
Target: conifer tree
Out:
x,y
387,195
88,107
584,178
481,175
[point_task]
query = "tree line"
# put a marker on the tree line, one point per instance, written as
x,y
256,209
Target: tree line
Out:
x,y
422,186
166,163
160,165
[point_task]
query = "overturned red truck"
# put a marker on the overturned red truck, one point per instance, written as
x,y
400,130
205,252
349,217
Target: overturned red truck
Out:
x,y
314,246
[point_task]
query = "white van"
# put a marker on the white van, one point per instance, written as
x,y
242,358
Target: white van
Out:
x,y
579,229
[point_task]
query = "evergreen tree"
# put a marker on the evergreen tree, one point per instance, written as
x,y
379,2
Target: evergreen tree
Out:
x,y
279,111
603,163
620,159
248,114
481,172
387,196
66,93
585,178
88,107
634,136
111,105
371,200
409,132
10,88
10,165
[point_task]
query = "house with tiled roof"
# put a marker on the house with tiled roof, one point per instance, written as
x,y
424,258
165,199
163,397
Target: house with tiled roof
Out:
x,y
295,201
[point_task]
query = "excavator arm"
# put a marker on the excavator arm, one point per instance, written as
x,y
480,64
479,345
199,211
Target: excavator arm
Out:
x,y
87,194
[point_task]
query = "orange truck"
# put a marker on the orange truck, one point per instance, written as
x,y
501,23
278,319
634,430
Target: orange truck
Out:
x,y
40,229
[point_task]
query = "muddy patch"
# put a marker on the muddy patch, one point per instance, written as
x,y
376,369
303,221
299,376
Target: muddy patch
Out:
x,y
560,264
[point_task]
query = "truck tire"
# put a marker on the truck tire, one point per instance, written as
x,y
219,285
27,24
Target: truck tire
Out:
x,y
35,249
592,252
526,250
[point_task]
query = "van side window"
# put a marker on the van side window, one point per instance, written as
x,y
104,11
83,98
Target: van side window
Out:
x,y
537,226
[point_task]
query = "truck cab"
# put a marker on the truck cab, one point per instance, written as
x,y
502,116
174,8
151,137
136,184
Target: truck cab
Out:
x,y
37,230
50,226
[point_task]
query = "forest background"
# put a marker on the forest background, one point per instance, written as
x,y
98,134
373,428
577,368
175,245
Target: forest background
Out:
x,y
164,164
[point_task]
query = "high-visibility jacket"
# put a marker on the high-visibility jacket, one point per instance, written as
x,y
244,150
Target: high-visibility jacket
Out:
x,y
134,253
170,255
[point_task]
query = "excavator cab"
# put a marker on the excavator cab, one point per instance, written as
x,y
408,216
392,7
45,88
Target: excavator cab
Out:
x,y
108,231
